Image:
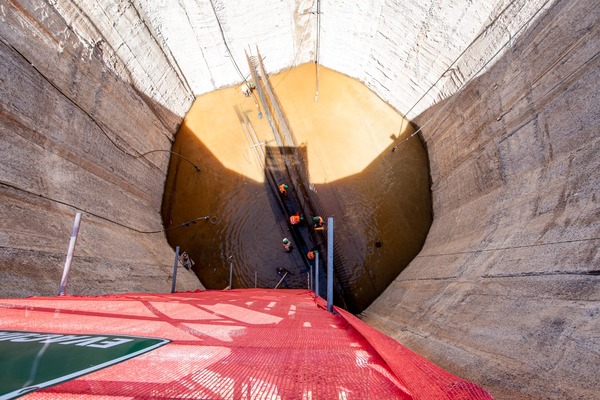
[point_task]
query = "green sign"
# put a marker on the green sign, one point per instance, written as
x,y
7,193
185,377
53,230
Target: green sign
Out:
x,y
33,360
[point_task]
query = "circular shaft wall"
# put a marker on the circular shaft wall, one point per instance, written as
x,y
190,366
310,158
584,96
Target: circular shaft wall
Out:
x,y
506,289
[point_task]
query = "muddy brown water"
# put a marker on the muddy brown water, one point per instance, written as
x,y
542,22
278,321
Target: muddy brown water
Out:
x,y
379,198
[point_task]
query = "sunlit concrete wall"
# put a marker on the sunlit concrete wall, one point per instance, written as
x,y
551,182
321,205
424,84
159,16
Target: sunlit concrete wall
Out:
x,y
412,54
504,292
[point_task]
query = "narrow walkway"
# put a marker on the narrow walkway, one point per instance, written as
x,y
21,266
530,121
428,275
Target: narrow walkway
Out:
x,y
239,344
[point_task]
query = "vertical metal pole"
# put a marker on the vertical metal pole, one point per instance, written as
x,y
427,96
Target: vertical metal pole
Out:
x,y
330,264
317,273
230,275
310,274
65,276
317,46
175,263
255,279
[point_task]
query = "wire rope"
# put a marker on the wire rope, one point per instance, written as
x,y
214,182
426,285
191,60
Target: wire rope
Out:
x,y
464,84
235,64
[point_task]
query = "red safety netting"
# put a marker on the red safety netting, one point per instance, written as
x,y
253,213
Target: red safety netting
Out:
x,y
424,379
238,344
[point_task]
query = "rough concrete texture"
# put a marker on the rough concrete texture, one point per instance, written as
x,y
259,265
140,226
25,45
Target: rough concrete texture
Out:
x,y
72,132
505,291
400,49
506,288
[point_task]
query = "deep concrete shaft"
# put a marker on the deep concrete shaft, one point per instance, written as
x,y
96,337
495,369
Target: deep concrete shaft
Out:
x,y
505,291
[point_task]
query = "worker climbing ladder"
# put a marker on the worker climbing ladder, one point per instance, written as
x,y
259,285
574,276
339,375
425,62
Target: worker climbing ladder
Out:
x,y
287,163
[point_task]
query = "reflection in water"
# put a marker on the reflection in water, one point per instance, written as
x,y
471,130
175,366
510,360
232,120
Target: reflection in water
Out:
x,y
379,198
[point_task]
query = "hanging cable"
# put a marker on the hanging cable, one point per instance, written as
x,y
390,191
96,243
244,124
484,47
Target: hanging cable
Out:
x,y
172,152
101,127
463,85
233,59
212,219
185,224
298,48
524,246
451,66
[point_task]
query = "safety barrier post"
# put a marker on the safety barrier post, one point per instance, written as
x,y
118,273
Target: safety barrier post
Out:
x,y
74,233
230,275
255,275
330,264
175,263
317,273
310,278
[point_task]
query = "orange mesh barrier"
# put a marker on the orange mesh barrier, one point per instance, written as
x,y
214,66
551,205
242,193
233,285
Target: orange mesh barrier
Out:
x,y
424,379
238,344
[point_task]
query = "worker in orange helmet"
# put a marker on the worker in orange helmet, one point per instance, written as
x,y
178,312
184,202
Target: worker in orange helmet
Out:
x,y
296,218
283,189
287,246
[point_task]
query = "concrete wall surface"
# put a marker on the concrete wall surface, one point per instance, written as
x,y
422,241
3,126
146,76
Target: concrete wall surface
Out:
x,y
88,87
72,132
506,290
412,54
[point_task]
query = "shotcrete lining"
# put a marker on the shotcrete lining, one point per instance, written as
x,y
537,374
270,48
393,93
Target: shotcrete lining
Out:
x,y
395,51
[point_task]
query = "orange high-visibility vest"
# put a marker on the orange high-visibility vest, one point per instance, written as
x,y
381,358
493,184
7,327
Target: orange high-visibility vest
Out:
x,y
294,219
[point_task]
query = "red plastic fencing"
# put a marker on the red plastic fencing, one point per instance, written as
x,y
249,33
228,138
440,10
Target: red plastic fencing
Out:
x,y
424,379
238,344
